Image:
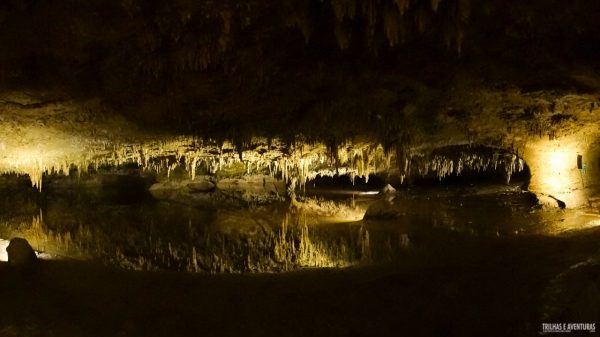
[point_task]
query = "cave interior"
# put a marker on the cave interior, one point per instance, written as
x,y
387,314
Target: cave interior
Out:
x,y
299,167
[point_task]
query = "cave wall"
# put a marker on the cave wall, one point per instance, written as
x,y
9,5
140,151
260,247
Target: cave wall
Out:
x,y
554,165
546,129
88,83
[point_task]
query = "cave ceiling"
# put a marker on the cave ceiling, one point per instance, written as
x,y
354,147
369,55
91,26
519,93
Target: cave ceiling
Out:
x,y
299,88
324,69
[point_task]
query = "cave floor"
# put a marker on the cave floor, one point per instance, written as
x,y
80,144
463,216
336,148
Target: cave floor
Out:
x,y
461,288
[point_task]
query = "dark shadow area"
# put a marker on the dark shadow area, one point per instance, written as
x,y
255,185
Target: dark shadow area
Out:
x,y
321,183
486,288
326,69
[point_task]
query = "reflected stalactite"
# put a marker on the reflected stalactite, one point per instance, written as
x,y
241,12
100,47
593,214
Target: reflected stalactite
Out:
x,y
299,241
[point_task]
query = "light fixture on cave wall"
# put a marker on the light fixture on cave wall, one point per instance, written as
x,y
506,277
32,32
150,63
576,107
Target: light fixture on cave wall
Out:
x,y
566,168
557,178
558,171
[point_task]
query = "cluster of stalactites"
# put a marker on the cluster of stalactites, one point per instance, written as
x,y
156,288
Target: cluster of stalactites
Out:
x,y
296,165
443,166
353,160
37,168
398,18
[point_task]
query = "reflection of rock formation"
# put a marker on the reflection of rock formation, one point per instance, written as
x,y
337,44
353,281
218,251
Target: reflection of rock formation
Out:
x,y
248,240
52,242
317,233
173,236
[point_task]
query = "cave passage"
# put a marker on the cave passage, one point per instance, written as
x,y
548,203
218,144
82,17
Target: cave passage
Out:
x,y
137,220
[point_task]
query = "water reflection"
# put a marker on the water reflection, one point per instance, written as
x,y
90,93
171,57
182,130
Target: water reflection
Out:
x,y
294,243
312,233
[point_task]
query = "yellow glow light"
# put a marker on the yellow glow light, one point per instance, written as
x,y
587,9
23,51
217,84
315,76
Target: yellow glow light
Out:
x,y
556,175
561,173
3,253
554,169
558,160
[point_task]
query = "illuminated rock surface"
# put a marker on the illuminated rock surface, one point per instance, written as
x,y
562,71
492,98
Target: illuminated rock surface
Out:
x,y
40,138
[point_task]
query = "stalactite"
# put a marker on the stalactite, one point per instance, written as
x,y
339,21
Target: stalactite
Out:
x,y
299,17
303,24
422,19
370,11
226,17
459,41
444,166
464,9
342,36
339,9
402,5
296,165
392,27
344,9
449,32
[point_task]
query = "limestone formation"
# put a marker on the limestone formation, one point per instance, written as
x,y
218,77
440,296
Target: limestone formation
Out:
x,y
388,189
200,186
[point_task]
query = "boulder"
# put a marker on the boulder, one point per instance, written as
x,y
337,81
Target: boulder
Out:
x,y
388,189
257,188
200,186
177,189
388,192
250,188
20,252
549,201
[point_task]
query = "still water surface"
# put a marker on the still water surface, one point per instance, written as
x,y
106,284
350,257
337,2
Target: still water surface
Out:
x,y
325,229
